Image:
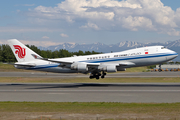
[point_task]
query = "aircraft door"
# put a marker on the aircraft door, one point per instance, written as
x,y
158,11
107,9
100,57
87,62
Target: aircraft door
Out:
x,y
156,49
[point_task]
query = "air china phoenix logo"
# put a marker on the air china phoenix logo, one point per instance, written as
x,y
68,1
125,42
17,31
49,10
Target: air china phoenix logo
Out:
x,y
20,51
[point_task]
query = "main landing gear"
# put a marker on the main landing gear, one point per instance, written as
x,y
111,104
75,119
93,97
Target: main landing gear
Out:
x,y
97,75
159,68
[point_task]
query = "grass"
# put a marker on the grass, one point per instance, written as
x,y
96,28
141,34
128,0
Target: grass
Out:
x,y
10,68
90,108
137,69
6,67
87,80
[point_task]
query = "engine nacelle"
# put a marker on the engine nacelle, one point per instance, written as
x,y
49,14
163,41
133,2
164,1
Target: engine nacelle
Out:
x,y
121,69
110,68
81,67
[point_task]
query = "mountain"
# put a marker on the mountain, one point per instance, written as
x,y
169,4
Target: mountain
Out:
x,y
121,46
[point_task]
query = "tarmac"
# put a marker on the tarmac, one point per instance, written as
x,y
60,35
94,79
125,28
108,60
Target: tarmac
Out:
x,y
91,92
72,75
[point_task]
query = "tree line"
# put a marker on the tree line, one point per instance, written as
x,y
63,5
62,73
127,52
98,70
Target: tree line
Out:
x,y
6,54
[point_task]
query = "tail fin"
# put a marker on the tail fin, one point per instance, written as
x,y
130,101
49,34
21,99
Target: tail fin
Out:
x,y
21,52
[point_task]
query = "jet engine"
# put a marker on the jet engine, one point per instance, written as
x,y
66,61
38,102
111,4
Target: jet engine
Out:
x,y
81,67
121,69
111,68
108,68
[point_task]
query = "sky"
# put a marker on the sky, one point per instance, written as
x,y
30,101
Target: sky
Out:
x,y
46,23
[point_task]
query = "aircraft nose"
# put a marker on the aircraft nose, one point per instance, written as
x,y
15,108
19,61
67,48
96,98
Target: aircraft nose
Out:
x,y
175,54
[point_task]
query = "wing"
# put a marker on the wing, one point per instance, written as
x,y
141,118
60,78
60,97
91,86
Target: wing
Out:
x,y
86,67
51,60
64,62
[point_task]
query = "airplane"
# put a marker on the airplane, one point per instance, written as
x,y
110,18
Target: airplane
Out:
x,y
97,65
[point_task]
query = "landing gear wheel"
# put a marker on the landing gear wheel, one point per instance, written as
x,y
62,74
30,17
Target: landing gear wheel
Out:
x,y
103,73
97,77
91,77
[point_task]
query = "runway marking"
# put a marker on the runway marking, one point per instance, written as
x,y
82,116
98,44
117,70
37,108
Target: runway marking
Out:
x,y
106,76
140,76
56,93
89,91
124,76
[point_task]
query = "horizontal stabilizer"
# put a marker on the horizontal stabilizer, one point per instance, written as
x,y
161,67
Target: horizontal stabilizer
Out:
x,y
24,65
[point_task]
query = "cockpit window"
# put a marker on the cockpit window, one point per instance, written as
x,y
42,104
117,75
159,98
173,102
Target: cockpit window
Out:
x,y
163,47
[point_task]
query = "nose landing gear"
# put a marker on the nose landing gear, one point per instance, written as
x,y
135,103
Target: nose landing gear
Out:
x,y
159,68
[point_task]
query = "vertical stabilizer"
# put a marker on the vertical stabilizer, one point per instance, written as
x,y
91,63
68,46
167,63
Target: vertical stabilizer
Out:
x,y
21,52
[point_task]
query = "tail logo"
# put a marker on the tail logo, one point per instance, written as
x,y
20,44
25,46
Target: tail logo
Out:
x,y
20,51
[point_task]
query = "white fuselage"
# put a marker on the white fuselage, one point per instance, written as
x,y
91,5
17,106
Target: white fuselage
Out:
x,y
139,57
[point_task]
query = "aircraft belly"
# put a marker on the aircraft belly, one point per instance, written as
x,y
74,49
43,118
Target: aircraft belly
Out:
x,y
150,61
57,70
171,57
147,61
61,70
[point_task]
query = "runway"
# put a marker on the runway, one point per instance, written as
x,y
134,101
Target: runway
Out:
x,y
91,92
70,75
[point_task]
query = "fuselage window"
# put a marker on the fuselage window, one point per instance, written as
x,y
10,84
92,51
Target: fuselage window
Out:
x,y
90,58
96,57
99,57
